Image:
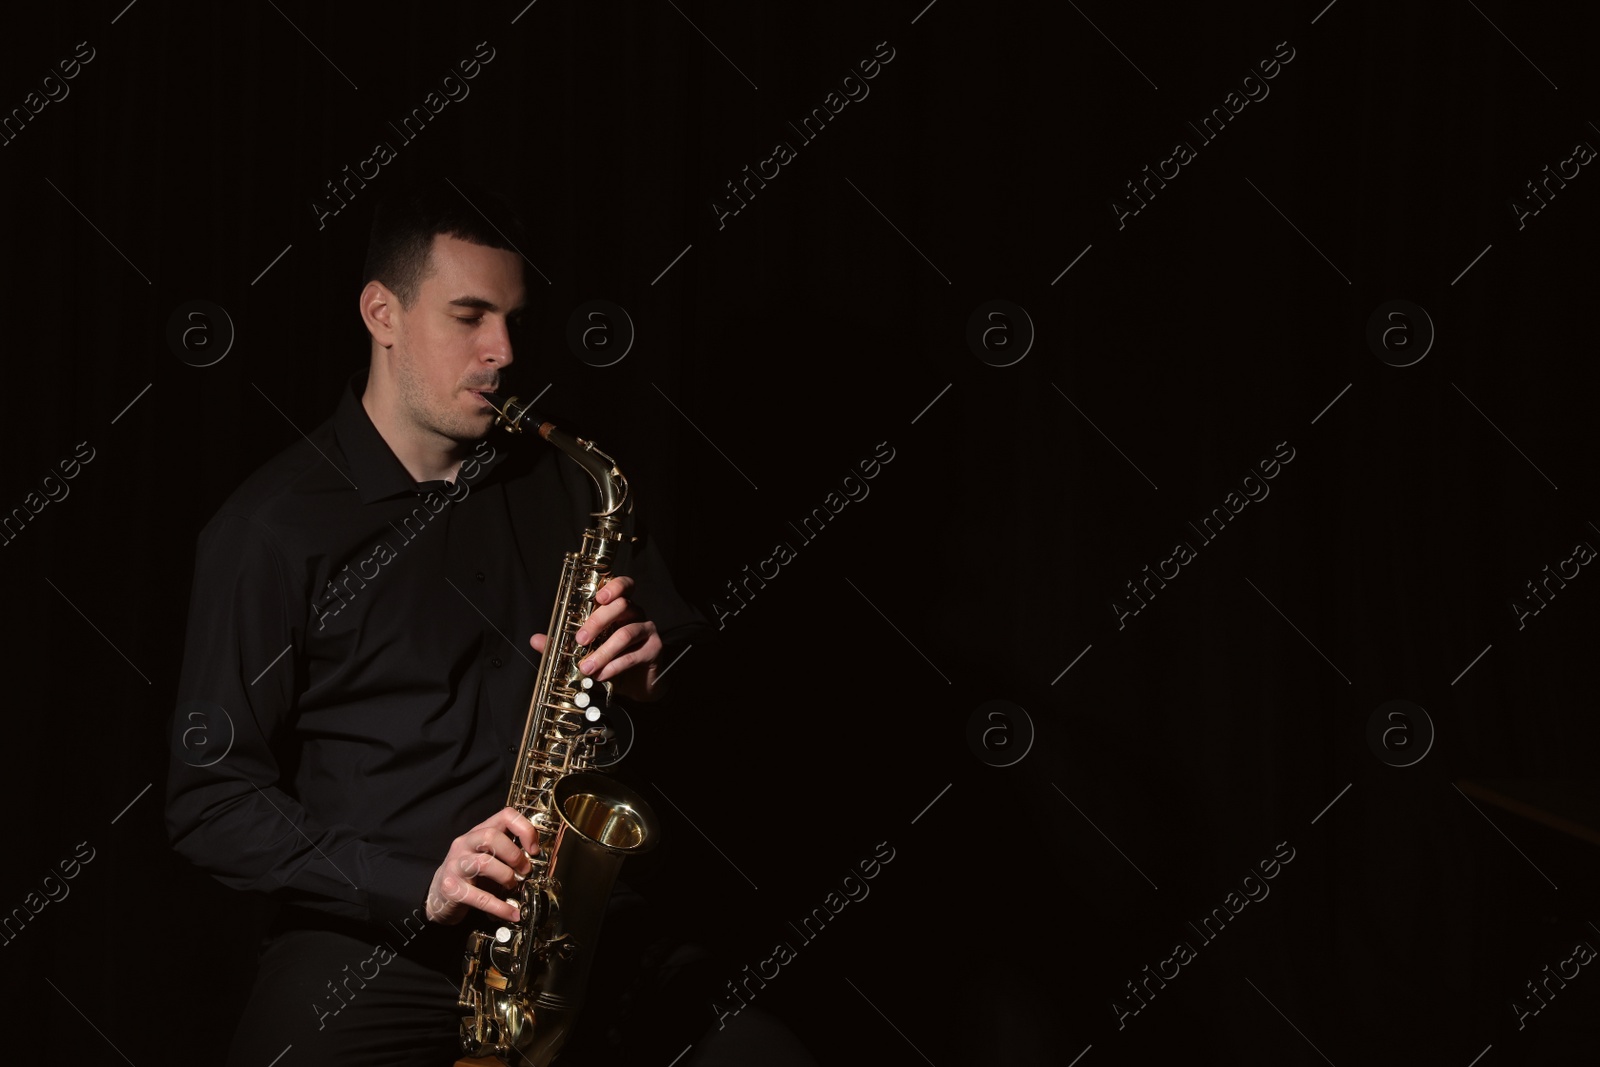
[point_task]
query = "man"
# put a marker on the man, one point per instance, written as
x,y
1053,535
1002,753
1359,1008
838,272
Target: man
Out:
x,y
358,635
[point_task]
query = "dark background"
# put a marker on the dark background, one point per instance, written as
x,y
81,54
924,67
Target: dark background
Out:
x,y
824,318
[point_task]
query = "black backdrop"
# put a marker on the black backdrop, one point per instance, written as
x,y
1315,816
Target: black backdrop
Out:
x,y
1162,759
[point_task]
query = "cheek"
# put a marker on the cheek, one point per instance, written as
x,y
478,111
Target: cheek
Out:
x,y
413,373
433,355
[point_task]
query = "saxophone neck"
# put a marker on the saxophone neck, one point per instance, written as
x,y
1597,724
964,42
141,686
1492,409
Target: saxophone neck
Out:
x,y
610,484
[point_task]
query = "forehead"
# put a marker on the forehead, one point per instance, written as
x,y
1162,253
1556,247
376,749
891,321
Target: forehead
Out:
x,y
457,268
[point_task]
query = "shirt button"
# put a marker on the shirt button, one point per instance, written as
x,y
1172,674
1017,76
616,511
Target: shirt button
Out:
x,y
480,576
495,661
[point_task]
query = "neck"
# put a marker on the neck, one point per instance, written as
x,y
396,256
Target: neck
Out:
x,y
426,456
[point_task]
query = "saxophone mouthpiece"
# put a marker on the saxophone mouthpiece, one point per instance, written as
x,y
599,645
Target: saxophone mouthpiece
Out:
x,y
508,412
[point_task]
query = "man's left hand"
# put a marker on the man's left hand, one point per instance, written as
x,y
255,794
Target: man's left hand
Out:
x,y
630,658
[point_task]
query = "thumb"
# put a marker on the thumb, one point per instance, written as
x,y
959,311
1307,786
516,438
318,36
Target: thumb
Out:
x,y
539,641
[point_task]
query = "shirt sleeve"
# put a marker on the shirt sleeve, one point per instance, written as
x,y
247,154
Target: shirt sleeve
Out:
x,y
230,810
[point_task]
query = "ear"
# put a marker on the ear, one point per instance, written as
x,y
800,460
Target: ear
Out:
x,y
380,311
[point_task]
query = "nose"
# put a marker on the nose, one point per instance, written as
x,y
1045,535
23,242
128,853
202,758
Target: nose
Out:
x,y
496,347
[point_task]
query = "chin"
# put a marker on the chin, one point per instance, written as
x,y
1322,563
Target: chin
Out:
x,y
465,430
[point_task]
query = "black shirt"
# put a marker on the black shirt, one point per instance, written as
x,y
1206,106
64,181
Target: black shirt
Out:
x,y
357,671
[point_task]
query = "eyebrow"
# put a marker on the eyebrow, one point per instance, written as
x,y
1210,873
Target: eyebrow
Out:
x,y
482,304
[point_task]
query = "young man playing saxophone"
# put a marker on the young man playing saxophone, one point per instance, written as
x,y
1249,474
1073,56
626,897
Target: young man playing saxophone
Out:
x,y
354,621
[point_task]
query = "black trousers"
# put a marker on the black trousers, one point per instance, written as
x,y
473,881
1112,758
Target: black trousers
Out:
x,y
345,995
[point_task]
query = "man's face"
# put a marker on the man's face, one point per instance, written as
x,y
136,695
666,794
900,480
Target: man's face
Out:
x,y
453,342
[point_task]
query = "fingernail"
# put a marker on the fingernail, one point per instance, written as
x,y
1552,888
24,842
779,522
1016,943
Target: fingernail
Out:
x,y
583,637
587,666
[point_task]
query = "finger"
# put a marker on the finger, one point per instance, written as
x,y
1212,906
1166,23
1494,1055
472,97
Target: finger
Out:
x,y
460,892
649,653
617,586
511,821
622,640
480,865
492,845
517,825
539,641
603,619
500,836
502,863
644,659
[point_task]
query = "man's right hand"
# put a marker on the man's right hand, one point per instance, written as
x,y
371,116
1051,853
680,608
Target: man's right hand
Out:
x,y
485,853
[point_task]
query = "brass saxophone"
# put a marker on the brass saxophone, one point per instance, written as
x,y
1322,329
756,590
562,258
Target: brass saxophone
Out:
x,y
524,983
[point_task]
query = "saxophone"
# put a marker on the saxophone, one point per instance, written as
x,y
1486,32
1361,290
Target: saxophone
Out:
x,y
524,983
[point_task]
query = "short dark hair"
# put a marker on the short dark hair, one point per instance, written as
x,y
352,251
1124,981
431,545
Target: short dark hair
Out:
x,y
405,224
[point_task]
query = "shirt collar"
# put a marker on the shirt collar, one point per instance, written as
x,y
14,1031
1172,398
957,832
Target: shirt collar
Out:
x,y
375,469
